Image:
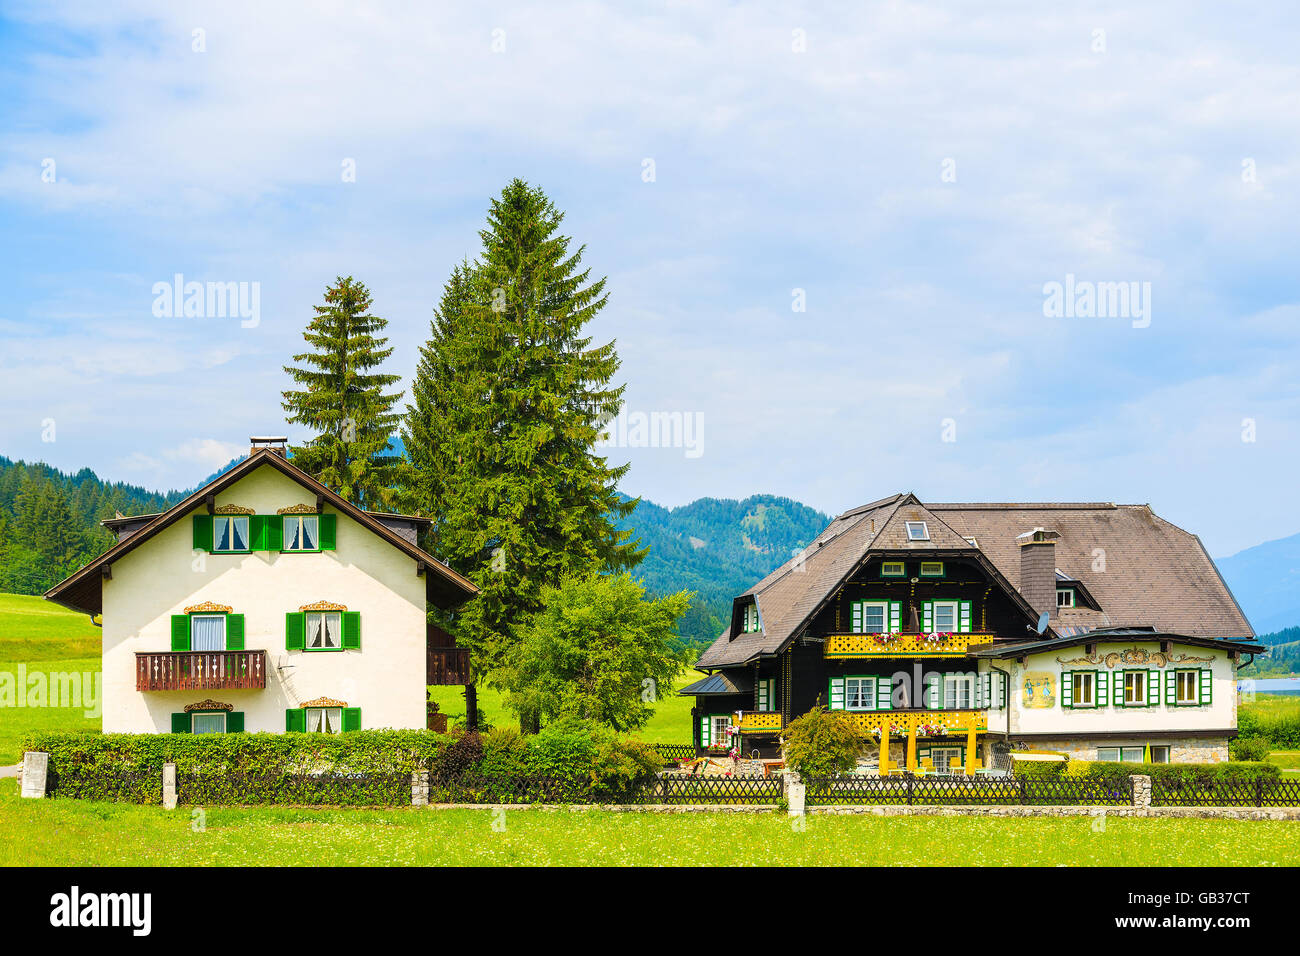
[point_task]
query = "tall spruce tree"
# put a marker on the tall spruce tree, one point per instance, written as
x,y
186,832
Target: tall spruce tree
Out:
x,y
508,405
344,401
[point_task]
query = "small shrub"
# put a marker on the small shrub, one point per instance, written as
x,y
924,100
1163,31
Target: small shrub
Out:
x,y
823,743
1250,748
505,753
1041,768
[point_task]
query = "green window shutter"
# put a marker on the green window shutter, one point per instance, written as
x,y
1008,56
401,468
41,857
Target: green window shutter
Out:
x,y
351,718
234,632
352,630
884,693
274,539
202,532
856,617
1207,685
1102,681
235,722
895,616
963,617
927,616
328,532
180,632
1171,686
1153,688
705,724
1067,689
295,720
257,532
180,723
764,695
835,694
295,631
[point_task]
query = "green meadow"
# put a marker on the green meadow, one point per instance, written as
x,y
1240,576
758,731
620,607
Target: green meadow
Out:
x,y
85,833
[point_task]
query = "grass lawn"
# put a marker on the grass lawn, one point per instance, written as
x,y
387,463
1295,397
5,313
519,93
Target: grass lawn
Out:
x,y
15,722
1288,760
671,723
33,629
81,833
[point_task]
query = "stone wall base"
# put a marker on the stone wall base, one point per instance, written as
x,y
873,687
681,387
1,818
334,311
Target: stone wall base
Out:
x,y
1181,749
1200,813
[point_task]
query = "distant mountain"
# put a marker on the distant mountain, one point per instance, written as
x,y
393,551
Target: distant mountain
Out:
x,y
1266,582
718,548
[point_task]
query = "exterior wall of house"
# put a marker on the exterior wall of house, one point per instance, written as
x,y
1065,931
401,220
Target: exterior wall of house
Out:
x,y
1036,691
385,677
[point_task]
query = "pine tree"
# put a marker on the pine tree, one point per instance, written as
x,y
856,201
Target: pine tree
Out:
x,y
345,402
509,401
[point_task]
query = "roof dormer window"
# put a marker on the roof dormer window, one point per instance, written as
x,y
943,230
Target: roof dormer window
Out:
x,y
917,531
1065,597
750,619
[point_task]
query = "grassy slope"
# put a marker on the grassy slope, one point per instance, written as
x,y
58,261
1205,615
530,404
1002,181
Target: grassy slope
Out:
x,y
47,639
80,833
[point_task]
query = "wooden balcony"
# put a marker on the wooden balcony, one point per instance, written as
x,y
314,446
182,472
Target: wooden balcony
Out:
x,y
926,723
857,646
760,722
200,670
447,665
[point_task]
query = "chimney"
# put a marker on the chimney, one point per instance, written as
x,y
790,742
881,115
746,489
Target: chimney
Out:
x,y
276,444
1038,569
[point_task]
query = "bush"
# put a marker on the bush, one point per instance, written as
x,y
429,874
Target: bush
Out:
x,y
1274,718
1185,773
1042,768
823,743
1250,748
505,753
612,768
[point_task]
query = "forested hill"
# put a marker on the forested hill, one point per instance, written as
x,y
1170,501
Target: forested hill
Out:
x,y
49,521
718,547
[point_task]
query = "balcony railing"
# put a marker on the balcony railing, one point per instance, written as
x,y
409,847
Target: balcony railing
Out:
x,y
760,722
201,670
847,646
926,723
447,665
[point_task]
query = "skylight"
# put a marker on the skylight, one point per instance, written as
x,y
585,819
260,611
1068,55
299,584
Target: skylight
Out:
x,y
917,531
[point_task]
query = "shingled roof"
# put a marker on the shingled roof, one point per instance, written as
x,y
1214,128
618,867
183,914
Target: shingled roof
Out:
x,y
1153,572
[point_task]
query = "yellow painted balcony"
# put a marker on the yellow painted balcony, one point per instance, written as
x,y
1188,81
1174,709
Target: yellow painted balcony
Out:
x,y
849,646
760,722
926,723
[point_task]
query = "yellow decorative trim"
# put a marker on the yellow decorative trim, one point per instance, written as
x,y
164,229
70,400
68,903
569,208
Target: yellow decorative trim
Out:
x,y
297,510
324,606
233,510
902,645
207,607
323,702
209,705
760,722
928,723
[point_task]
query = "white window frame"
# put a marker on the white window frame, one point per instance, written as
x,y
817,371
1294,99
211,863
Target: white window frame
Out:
x,y
323,616
1076,684
1194,677
942,767
884,617
208,617
1065,597
234,521
219,714
299,523
865,694
956,616
918,531
1168,753
953,685
718,724
338,727
1140,679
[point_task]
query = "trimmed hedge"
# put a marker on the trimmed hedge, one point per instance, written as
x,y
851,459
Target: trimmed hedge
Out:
x,y
1185,773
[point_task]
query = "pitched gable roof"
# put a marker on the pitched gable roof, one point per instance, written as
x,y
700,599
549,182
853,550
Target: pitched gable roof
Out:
x,y
81,591
1155,574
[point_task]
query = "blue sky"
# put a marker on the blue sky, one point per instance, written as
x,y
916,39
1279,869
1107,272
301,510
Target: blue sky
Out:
x,y
920,171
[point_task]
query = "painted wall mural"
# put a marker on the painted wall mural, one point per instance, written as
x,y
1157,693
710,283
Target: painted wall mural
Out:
x,y
1038,690
1135,657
